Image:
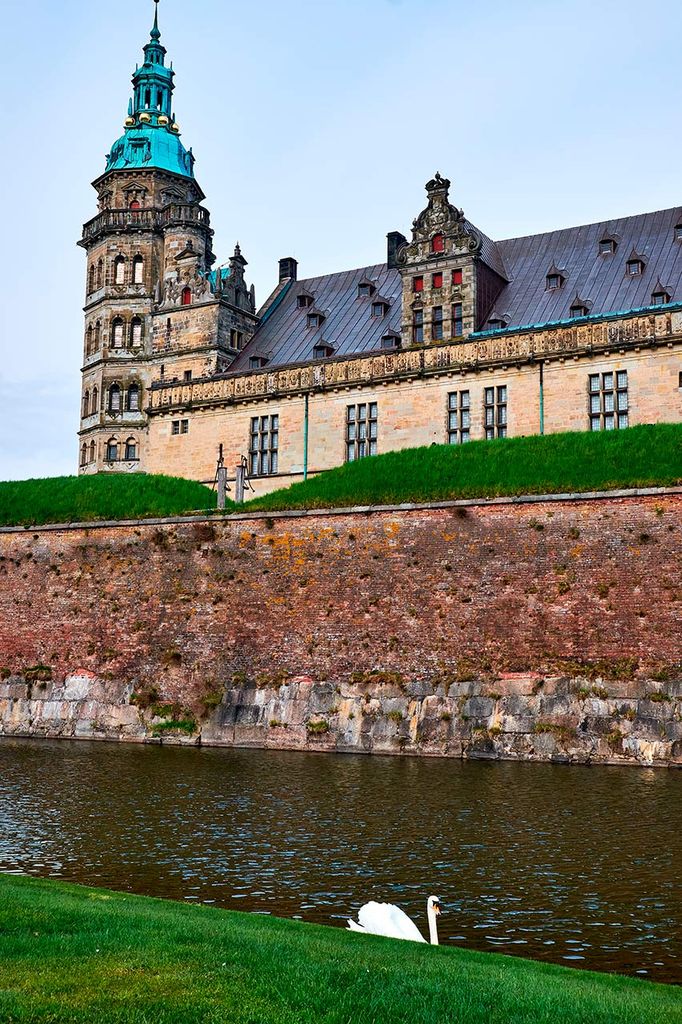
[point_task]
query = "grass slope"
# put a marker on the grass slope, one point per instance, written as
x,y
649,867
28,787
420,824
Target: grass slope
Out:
x,y
78,955
75,499
639,457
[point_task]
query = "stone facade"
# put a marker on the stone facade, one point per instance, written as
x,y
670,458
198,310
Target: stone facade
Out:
x,y
546,629
179,361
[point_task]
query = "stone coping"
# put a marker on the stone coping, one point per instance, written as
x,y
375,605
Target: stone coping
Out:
x,y
311,513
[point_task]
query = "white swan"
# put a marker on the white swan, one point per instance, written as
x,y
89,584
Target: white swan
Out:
x,y
385,919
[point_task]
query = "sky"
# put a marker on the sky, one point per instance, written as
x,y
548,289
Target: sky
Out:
x,y
315,124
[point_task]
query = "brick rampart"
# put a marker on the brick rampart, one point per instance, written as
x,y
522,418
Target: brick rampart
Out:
x,y
540,629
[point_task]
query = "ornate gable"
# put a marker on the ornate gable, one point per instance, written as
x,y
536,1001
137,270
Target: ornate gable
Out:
x,y
441,229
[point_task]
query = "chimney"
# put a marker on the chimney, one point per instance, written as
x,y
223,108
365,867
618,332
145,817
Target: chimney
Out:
x,y
288,269
395,240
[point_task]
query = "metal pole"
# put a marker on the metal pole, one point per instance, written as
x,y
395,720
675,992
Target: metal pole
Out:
x,y
542,398
222,487
306,433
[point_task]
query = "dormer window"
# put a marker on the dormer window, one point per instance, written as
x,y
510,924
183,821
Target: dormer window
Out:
x,y
323,351
257,362
678,232
380,309
304,300
578,310
391,341
660,297
438,243
315,319
634,267
495,325
607,247
554,281
365,290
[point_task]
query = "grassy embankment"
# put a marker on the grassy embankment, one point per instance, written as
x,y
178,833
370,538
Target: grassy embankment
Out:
x,y
80,955
638,457
73,499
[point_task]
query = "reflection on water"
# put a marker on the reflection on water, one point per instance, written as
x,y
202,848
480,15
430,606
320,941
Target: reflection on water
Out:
x,y
580,866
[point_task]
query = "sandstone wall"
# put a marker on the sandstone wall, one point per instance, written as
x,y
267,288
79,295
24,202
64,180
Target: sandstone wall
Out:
x,y
544,629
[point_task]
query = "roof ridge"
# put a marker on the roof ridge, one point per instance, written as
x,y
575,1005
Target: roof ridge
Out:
x,y
593,224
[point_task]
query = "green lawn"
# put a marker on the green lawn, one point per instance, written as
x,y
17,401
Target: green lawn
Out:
x,y
77,955
638,457
75,499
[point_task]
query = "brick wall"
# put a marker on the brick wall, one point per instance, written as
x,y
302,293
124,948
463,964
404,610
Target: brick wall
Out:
x,y
578,601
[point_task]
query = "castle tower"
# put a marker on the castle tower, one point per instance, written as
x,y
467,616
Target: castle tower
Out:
x,y
154,309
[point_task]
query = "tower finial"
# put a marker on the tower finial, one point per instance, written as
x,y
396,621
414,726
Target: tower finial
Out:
x,y
156,33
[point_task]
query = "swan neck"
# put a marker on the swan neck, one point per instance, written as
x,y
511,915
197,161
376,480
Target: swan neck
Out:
x,y
433,926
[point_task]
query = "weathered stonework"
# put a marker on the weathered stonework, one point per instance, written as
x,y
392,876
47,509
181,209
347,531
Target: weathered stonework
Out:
x,y
547,629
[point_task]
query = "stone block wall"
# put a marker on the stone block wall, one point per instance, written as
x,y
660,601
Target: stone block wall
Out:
x,y
547,629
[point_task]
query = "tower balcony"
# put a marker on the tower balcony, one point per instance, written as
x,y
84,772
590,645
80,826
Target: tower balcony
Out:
x,y
115,221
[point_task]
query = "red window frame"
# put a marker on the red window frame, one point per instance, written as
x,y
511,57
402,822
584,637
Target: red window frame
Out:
x,y
456,276
418,284
187,296
437,280
438,243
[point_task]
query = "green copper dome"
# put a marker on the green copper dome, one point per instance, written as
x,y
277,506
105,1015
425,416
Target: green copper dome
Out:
x,y
152,138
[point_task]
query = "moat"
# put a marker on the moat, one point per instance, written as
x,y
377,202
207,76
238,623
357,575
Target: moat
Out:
x,y
575,865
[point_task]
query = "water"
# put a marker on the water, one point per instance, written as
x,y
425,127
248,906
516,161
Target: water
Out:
x,y
580,866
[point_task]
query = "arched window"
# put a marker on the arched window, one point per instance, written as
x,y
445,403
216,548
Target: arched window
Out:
x,y
120,270
112,450
86,404
136,332
93,451
84,455
133,403
438,243
186,296
89,341
117,328
98,336
114,398
91,279
131,450
95,400
138,270
100,273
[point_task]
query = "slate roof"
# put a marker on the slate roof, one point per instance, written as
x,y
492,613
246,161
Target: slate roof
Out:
x,y
349,327
600,281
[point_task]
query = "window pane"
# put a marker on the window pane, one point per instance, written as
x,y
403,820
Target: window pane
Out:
x,y
622,378
489,417
351,414
452,421
466,418
362,449
351,432
466,436
350,452
372,448
502,394
608,381
452,401
464,399
609,423
502,432
274,462
489,434
595,403
623,401
373,410
363,430
362,412
274,441
608,401
373,430
623,420
489,396
502,416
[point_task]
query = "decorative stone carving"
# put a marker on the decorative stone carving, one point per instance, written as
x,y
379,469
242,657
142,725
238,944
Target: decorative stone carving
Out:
x,y
439,217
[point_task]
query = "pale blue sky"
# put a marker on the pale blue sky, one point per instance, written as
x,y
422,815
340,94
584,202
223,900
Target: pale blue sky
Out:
x,y
315,126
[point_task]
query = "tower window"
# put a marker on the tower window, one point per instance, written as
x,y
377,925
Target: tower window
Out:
x,y
608,400
187,296
89,342
437,324
100,273
86,404
93,451
112,450
495,412
418,326
438,243
187,376
418,284
114,398
459,417
456,276
84,455
362,423
91,279
236,339
95,400
98,335
136,332
117,329
264,446
437,280
457,321
119,270
134,398
131,450
138,270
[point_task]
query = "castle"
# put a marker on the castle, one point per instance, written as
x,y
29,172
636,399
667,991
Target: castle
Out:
x,y
455,337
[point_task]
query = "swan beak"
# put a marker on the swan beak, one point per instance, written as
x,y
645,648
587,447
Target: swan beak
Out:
x,y
436,909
